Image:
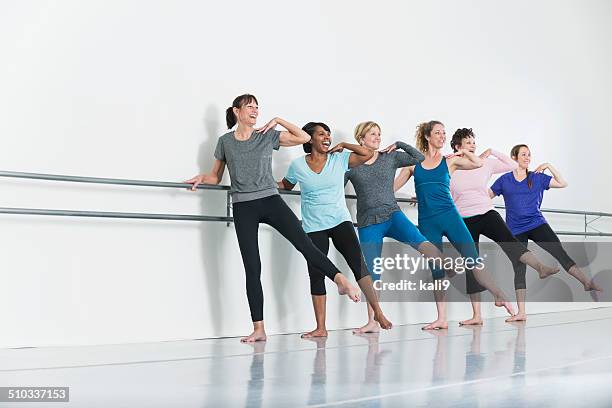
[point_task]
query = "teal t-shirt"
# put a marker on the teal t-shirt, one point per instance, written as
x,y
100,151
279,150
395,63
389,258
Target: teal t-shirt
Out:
x,y
323,202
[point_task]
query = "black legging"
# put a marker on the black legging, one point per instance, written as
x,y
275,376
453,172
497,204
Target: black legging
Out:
x,y
345,240
546,238
492,226
277,214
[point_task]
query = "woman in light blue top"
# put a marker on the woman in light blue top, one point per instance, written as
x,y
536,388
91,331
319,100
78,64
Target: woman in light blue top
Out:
x,y
325,216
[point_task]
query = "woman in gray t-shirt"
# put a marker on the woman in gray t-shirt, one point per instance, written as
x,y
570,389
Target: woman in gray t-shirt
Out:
x,y
247,152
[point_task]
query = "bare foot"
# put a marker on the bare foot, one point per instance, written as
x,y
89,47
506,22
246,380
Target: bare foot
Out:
x,y
592,286
383,322
315,333
257,335
519,317
346,288
474,321
437,325
370,327
545,271
506,304
321,342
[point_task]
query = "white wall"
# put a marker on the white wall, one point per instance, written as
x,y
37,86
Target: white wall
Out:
x,y
138,89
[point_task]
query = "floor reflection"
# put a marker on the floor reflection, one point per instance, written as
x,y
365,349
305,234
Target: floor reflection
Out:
x,y
255,385
318,379
570,364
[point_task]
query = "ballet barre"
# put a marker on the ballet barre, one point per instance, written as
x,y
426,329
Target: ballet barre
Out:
x,y
227,218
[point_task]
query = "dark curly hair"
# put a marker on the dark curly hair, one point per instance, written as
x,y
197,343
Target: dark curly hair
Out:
x,y
458,137
310,129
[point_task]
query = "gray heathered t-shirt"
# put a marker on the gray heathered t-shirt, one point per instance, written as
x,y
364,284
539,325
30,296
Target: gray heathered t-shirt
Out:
x,y
250,164
374,184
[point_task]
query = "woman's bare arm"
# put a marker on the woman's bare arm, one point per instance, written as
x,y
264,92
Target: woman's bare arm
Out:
x,y
214,177
359,154
464,160
293,136
284,184
557,181
403,177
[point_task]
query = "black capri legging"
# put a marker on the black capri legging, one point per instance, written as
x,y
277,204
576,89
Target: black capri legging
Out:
x,y
492,226
546,238
345,240
276,213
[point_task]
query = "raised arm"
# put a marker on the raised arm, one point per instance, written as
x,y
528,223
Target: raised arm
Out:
x,y
214,177
293,136
557,181
403,177
359,154
409,157
503,164
464,160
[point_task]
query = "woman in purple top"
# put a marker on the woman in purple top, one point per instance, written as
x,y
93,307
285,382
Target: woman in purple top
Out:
x,y
523,191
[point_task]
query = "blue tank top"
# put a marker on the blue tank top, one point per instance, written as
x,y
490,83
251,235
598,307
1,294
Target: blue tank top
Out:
x,y
433,190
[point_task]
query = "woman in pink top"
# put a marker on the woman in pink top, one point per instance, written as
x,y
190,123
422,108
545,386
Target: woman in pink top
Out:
x,y
470,192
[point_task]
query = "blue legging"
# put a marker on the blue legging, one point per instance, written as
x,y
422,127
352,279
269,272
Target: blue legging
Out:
x,y
449,224
397,227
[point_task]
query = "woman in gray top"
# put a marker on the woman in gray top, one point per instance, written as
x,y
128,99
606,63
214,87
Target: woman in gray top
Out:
x,y
378,215
247,152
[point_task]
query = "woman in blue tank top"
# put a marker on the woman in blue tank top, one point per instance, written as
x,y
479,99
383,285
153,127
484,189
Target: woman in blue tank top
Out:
x,y
438,215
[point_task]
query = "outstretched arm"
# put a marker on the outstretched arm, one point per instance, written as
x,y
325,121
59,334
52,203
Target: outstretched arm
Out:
x,y
403,177
214,177
558,181
293,136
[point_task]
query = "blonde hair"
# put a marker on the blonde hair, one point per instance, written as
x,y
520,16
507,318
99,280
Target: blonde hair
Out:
x,y
422,132
363,128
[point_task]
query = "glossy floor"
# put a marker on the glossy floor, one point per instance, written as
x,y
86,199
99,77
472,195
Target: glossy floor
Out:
x,y
556,360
